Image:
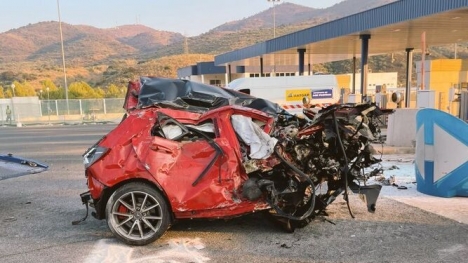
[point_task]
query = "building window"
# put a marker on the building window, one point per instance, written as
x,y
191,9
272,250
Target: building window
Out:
x,y
287,74
215,82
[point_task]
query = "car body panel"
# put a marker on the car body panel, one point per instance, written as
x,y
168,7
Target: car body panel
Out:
x,y
12,166
175,166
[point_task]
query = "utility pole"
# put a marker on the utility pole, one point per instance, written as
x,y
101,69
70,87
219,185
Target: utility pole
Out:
x,y
274,30
48,103
455,50
274,16
186,51
63,57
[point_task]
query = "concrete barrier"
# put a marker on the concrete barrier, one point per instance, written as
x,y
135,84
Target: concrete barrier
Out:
x,y
401,129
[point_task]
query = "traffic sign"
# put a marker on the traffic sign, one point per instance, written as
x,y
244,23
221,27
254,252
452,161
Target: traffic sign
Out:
x,y
441,164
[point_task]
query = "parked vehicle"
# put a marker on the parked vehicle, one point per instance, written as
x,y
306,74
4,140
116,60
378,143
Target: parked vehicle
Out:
x,y
289,91
187,150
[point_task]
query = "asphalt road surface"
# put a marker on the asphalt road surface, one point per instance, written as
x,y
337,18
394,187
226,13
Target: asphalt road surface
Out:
x,y
36,212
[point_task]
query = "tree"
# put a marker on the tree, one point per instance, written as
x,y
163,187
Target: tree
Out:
x,y
8,93
114,92
81,90
8,76
48,84
23,89
55,94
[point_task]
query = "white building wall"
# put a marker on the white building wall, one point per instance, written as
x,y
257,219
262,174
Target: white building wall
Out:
x,y
390,79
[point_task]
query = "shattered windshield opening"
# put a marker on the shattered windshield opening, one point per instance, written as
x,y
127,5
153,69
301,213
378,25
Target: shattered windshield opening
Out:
x,y
168,128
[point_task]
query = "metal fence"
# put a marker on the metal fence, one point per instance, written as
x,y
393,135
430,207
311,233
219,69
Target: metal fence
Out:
x,y
81,107
31,109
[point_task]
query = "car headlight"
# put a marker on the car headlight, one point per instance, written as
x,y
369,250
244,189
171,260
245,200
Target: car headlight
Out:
x,y
93,154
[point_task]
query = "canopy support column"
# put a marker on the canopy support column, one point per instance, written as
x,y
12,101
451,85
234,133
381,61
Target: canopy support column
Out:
x,y
261,67
364,64
354,75
301,52
409,73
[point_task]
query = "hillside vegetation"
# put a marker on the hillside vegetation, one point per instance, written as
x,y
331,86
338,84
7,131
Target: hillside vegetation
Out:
x,y
105,57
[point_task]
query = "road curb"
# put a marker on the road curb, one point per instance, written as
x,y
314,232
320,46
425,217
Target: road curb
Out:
x,y
387,149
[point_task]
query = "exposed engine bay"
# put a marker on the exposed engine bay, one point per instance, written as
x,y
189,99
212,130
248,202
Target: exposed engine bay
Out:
x,y
332,148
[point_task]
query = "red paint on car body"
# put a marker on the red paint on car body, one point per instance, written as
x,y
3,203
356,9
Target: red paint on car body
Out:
x,y
174,166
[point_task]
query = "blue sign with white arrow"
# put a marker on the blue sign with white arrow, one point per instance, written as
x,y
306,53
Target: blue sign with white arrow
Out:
x,y
441,154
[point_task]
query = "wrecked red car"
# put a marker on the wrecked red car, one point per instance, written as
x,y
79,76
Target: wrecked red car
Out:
x,y
187,150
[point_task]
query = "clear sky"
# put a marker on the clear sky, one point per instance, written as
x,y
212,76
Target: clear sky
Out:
x,y
189,17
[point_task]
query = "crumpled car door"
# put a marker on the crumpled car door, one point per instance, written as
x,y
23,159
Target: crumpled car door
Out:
x,y
188,169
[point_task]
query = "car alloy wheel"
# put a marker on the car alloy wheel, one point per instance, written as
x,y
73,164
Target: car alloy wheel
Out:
x,y
137,214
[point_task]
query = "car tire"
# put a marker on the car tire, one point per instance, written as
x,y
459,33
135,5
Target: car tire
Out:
x,y
137,214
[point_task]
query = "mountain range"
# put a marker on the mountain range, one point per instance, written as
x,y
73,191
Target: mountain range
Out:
x,y
41,42
33,52
87,44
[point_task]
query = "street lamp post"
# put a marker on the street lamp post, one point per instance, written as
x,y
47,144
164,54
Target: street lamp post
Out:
x,y
13,101
274,16
455,46
63,57
41,100
274,30
48,103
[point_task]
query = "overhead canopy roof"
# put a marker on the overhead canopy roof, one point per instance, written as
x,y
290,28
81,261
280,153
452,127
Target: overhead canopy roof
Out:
x,y
393,28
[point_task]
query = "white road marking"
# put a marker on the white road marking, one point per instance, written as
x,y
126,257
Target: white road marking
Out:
x,y
179,250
